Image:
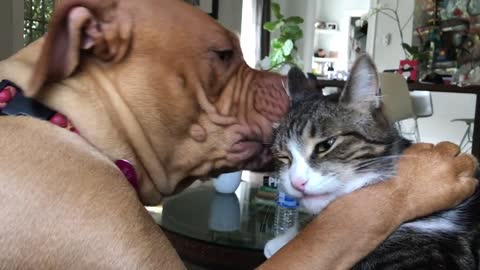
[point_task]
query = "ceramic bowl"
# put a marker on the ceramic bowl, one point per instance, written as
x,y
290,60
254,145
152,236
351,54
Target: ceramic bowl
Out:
x,y
228,182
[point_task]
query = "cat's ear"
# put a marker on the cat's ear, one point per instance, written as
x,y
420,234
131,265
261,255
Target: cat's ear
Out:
x,y
298,85
362,88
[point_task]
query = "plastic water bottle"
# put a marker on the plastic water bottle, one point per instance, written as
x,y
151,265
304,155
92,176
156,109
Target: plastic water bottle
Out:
x,y
286,213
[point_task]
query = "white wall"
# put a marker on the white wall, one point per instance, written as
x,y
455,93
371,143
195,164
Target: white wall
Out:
x,y
339,12
11,27
332,11
230,14
388,56
447,106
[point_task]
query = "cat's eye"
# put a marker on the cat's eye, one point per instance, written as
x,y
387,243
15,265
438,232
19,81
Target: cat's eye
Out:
x,y
324,146
284,159
331,141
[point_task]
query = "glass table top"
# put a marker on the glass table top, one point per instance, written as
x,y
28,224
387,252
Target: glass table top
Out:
x,y
244,219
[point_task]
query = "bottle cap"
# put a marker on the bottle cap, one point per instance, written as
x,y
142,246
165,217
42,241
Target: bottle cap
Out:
x,y
286,201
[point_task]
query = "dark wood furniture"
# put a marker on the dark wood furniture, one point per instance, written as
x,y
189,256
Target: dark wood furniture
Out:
x,y
471,89
213,256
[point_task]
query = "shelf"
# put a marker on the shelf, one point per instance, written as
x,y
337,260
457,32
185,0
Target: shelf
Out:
x,y
324,59
445,64
451,25
327,31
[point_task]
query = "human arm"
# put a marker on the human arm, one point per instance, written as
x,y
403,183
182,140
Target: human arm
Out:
x,y
429,179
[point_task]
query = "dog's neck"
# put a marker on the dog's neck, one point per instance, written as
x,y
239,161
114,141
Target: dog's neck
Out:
x,y
93,103
152,126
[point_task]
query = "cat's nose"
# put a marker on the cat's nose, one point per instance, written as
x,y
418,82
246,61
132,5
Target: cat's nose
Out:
x,y
299,184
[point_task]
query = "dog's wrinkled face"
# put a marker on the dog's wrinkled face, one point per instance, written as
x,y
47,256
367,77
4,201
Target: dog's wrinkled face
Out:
x,y
227,107
178,73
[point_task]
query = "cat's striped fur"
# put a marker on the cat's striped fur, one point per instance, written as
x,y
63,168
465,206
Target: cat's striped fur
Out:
x,y
327,148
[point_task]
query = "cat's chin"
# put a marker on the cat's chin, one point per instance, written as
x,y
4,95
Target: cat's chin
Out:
x,y
314,204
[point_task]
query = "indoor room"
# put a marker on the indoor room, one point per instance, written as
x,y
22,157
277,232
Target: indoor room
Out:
x,y
239,134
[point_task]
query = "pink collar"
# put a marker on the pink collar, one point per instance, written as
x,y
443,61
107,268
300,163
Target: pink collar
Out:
x,y
9,92
129,171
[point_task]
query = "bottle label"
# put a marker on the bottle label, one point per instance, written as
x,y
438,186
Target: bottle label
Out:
x,y
270,181
286,201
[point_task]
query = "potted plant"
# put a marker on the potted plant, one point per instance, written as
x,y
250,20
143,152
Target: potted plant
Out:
x,y
283,50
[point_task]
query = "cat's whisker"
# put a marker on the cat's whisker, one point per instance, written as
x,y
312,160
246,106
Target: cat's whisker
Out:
x,y
366,163
384,157
382,173
384,168
379,160
376,161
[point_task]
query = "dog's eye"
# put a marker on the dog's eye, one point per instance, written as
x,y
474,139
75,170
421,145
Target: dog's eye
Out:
x,y
324,146
224,55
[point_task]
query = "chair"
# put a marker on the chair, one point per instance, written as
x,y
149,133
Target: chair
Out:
x,y
422,107
422,103
396,97
467,136
399,104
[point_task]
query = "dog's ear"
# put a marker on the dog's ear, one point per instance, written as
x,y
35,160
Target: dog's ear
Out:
x,y
81,28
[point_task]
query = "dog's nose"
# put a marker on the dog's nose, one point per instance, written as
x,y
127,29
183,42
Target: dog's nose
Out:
x,y
299,184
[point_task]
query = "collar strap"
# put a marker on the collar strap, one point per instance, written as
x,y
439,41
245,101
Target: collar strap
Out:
x,y
18,104
14,103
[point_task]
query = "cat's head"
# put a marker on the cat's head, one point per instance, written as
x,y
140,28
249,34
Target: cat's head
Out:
x,y
326,148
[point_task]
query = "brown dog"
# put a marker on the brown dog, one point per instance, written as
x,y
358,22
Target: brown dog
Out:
x,y
162,85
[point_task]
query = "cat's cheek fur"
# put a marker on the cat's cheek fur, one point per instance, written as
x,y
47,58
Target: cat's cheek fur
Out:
x,y
319,184
315,205
361,181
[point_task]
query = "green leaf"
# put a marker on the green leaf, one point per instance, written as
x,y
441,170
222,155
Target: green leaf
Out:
x,y
289,59
293,32
294,20
287,48
276,11
273,25
282,39
407,47
422,57
276,58
277,44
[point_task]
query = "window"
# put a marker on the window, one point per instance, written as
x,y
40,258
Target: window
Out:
x,y
208,6
36,17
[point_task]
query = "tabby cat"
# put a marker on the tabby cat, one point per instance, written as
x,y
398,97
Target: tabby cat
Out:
x,y
328,148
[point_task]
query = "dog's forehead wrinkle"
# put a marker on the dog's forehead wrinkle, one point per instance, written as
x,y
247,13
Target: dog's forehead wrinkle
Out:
x,y
198,112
